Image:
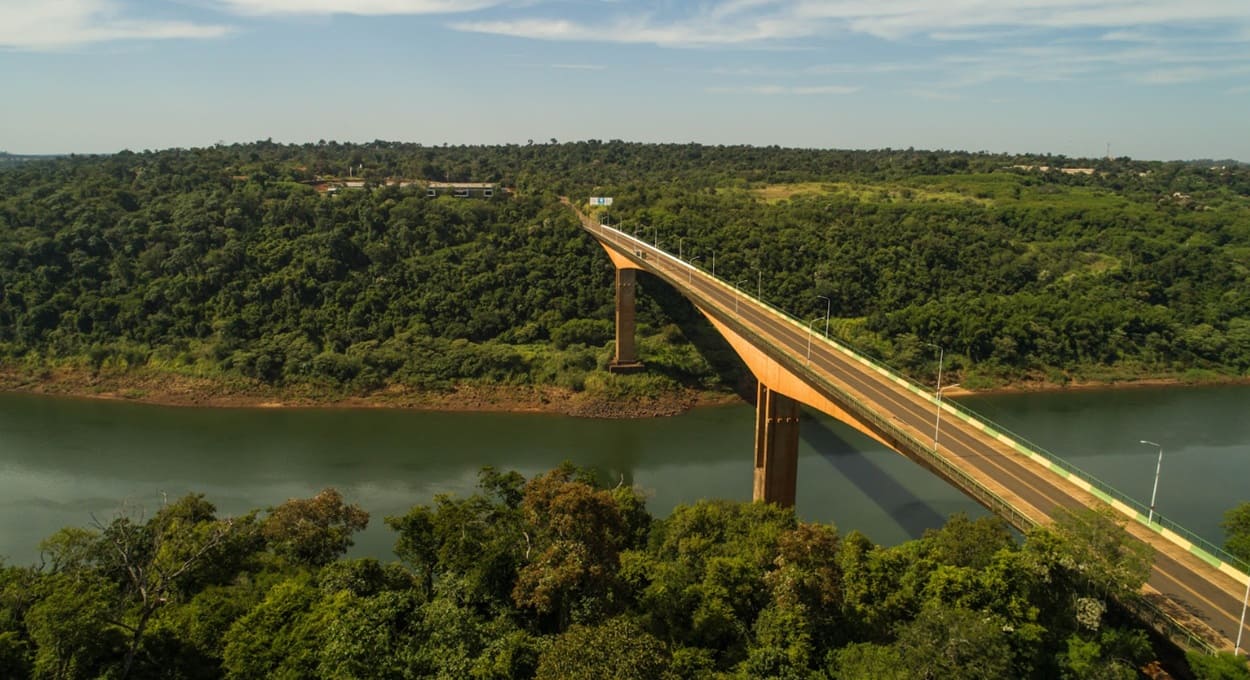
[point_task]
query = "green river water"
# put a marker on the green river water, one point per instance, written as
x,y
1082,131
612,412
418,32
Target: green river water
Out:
x,y
63,461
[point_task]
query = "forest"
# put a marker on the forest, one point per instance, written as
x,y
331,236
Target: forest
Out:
x,y
558,576
233,262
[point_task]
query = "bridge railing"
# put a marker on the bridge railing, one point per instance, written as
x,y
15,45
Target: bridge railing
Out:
x,y
940,464
1159,523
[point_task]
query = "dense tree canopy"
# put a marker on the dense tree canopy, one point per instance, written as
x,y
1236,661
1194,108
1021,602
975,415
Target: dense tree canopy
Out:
x,y
229,260
1237,528
560,577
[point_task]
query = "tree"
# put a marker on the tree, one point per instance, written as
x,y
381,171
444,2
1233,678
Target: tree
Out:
x,y
72,627
881,586
965,543
1237,531
281,637
152,563
472,546
1222,666
154,558
863,660
1113,654
955,643
1093,547
574,535
616,649
15,599
782,645
313,531
370,637
702,579
804,614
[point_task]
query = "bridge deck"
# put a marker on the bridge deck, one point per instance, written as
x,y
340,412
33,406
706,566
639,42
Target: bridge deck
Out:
x,y
1184,590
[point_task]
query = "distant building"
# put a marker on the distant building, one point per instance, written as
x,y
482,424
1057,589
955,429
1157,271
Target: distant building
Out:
x,y
1047,168
462,189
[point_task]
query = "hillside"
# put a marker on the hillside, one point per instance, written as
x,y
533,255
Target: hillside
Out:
x,y
227,263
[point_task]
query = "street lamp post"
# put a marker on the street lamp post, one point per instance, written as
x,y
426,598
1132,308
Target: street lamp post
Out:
x,y
1158,467
737,294
1242,626
679,241
759,284
713,264
828,307
690,273
809,339
937,422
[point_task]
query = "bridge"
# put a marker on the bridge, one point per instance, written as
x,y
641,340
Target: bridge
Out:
x,y
1195,594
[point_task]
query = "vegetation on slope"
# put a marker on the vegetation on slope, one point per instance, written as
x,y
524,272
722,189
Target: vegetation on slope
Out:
x,y
228,262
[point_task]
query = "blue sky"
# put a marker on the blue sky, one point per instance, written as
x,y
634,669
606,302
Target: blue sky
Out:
x,y
1156,79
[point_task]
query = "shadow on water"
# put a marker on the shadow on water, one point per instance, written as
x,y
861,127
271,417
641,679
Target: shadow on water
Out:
x,y
912,513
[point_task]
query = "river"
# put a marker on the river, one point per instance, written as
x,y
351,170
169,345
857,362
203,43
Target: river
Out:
x,y
65,461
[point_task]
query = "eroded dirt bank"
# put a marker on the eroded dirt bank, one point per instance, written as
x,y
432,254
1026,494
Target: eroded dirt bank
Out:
x,y
179,390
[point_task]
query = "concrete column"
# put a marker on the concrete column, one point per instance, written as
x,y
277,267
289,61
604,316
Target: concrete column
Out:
x,y
626,359
776,447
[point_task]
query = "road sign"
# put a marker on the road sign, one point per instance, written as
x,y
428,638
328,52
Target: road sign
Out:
x,y
601,200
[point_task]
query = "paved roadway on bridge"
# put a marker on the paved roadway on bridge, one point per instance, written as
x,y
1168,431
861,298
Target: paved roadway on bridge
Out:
x,y
1206,593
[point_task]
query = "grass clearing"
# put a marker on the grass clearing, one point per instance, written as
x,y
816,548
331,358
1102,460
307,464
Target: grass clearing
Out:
x,y
772,194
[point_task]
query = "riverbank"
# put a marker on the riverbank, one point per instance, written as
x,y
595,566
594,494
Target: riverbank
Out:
x,y
1025,386
173,389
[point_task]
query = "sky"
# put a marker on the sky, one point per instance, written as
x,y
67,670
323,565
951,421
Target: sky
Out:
x,y
1149,79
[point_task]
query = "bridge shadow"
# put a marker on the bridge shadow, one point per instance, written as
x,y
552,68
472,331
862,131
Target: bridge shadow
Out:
x,y
912,513
658,303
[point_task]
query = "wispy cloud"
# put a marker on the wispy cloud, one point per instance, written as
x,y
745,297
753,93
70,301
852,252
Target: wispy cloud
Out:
x,y
785,90
737,22
724,23
702,32
895,19
61,24
579,67
359,7
1149,64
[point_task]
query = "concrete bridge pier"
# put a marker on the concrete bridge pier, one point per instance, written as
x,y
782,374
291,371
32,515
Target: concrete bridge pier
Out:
x,y
776,447
626,359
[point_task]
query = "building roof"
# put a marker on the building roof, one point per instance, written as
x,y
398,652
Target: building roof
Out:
x,y
463,185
